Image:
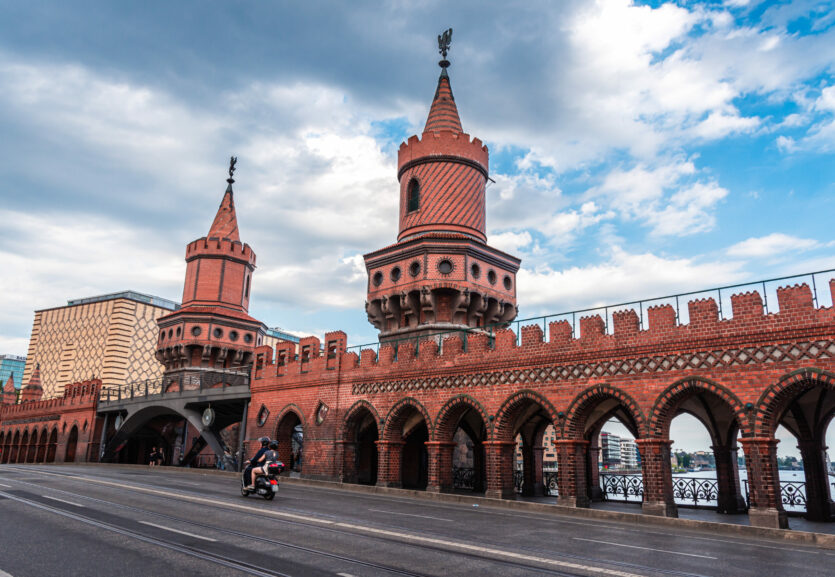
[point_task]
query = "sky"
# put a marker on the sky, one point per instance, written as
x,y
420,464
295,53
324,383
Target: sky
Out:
x,y
639,149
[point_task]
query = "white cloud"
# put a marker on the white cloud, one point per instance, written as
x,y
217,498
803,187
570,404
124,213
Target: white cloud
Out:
x,y
771,245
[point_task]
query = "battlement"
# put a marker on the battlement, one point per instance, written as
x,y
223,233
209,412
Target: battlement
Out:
x,y
595,337
81,393
220,247
445,143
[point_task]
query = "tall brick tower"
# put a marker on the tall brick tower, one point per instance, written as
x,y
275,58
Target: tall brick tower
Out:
x,y
441,274
212,330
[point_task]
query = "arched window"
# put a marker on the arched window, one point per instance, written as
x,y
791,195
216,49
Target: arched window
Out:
x,y
246,295
413,193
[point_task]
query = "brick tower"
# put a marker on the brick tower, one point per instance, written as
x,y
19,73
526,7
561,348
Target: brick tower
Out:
x,y
212,329
440,275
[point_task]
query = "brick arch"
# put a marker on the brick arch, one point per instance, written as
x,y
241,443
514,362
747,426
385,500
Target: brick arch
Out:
x,y
352,413
665,406
284,432
582,406
447,418
395,418
505,415
291,408
776,399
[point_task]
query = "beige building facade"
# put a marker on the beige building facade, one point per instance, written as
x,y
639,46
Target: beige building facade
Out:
x,y
109,337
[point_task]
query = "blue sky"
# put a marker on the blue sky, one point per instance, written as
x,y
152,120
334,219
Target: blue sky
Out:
x,y
639,148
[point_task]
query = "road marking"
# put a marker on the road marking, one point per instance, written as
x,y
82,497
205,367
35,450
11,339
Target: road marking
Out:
x,y
338,575
63,501
644,548
411,515
8,487
164,528
3,573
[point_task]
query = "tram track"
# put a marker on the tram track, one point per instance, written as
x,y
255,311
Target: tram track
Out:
x,y
577,561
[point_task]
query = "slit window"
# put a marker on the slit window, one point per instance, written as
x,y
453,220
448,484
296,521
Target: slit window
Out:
x,y
413,194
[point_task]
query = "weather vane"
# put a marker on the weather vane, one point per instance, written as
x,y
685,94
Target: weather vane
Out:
x,y
444,40
232,161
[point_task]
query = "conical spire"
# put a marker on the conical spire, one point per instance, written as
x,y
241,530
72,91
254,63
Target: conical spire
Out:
x,y
225,225
35,379
9,388
444,114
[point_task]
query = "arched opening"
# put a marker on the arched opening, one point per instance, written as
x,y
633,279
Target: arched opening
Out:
x,y
607,466
290,436
413,195
3,449
804,406
23,447
72,442
41,456
32,451
360,447
15,448
461,433
52,445
406,434
415,461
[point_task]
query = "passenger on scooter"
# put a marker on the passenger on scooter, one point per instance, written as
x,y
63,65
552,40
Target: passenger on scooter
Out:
x,y
270,456
255,461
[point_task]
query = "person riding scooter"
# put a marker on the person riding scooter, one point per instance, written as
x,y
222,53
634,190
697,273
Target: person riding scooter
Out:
x,y
270,456
256,461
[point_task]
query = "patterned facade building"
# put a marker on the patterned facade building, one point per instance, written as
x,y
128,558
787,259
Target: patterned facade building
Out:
x,y
110,337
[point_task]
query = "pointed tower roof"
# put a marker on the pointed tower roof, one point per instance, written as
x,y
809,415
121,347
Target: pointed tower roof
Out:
x,y
9,387
443,115
35,379
225,224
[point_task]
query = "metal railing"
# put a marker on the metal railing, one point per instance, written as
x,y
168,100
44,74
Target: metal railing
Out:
x,y
174,385
721,295
549,481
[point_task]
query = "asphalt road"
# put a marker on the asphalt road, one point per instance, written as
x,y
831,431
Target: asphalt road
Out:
x,y
112,521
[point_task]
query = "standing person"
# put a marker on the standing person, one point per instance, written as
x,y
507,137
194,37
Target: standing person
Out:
x,y
160,457
255,461
152,462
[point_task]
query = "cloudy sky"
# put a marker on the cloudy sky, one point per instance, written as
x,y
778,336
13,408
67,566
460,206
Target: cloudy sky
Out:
x,y
639,148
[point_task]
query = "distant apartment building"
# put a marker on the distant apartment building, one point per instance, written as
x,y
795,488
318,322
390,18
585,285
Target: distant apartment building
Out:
x,y
629,454
110,337
610,452
12,366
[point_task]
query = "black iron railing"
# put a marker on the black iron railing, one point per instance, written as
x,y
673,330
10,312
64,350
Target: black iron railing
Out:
x,y
721,294
174,385
792,494
695,490
463,478
622,487
549,481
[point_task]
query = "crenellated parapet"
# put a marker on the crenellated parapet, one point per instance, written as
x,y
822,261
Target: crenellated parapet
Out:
x,y
218,247
445,145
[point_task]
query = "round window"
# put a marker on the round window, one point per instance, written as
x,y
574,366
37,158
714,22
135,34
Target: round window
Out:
x,y
414,268
508,284
218,333
395,274
247,338
170,333
195,331
475,270
445,266
233,335
378,278
178,331
491,277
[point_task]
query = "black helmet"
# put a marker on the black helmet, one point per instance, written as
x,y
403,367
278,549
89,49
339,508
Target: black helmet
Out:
x,y
264,441
274,445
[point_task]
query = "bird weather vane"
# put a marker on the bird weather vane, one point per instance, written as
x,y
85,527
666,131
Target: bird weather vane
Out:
x,y
232,161
444,40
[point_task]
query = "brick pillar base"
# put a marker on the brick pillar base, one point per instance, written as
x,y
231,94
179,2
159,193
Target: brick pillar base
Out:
x,y
765,505
348,471
658,477
819,506
499,457
538,485
571,473
593,472
390,456
729,499
440,466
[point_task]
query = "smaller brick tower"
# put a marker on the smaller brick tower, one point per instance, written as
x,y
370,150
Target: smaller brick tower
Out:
x,y
213,329
9,392
441,275
33,391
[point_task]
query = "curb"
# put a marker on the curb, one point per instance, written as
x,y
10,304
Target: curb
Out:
x,y
822,540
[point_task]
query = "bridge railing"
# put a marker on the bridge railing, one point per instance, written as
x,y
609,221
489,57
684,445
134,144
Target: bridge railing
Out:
x,y
174,385
722,295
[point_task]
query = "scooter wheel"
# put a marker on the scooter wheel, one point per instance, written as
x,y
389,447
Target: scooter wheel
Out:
x,y
244,492
269,496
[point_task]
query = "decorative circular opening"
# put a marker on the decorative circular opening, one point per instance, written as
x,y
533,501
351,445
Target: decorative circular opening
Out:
x,y
377,279
395,274
475,271
196,331
414,268
247,338
233,335
445,266
218,333
170,333
491,277
508,284
178,331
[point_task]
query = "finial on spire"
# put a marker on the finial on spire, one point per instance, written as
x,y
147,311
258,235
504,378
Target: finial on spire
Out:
x,y
444,40
232,161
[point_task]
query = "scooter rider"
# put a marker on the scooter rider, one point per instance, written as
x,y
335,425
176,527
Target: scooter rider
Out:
x,y
256,461
270,456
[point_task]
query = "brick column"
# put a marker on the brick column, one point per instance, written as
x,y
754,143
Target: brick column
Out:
x,y
658,477
440,466
389,458
819,506
499,457
593,472
538,486
348,471
571,472
729,498
765,506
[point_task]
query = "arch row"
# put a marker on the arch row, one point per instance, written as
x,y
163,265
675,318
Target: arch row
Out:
x,y
36,444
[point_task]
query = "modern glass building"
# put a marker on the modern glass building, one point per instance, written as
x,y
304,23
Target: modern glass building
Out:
x,y
12,365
